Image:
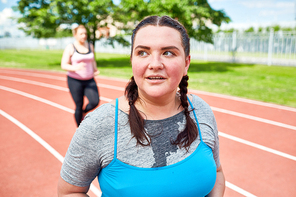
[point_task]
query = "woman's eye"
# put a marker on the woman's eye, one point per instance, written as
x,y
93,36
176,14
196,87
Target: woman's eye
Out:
x,y
142,53
168,53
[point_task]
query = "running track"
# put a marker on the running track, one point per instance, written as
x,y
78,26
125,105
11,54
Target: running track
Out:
x,y
257,140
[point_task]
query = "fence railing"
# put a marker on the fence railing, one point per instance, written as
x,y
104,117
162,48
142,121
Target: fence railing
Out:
x,y
268,48
265,48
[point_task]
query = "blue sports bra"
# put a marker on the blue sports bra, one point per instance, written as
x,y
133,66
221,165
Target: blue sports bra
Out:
x,y
194,176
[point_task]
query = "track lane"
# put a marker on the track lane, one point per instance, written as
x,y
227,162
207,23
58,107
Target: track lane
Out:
x,y
276,113
271,136
258,172
58,138
26,169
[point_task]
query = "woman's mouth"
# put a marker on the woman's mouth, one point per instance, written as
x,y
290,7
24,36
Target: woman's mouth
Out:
x,y
155,78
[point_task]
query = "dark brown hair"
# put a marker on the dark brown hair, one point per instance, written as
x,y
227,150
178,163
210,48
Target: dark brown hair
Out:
x,y
190,133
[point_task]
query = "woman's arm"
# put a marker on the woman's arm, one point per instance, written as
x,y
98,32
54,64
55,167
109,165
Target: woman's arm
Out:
x,y
66,189
219,188
66,60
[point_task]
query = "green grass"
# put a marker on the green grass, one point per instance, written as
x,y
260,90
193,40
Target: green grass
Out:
x,y
274,84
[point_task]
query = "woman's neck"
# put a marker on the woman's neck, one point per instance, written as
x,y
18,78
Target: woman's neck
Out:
x,y
81,47
157,109
77,43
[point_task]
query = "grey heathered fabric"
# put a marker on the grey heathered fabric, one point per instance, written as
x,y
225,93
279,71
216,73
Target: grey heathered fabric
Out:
x,y
92,146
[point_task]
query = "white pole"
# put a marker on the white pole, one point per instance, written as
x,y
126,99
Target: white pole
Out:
x,y
233,45
205,51
270,47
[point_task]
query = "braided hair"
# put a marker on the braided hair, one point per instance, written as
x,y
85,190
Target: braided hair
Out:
x,y
136,121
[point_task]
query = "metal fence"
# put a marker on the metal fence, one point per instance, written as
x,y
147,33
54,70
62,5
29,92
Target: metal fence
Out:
x,y
265,48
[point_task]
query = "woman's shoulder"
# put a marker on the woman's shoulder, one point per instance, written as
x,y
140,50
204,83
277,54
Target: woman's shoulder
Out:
x,y
198,102
107,111
98,122
122,104
103,111
70,48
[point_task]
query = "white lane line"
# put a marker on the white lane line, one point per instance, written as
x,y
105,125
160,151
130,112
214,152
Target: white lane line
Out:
x,y
37,99
34,83
110,87
231,186
54,86
34,136
260,103
56,77
33,75
45,85
279,124
238,190
43,143
122,89
258,146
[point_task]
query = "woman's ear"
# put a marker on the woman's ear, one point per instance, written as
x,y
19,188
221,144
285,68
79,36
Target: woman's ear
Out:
x,y
187,63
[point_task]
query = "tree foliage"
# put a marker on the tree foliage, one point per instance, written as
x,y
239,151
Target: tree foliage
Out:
x,y
195,15
43,18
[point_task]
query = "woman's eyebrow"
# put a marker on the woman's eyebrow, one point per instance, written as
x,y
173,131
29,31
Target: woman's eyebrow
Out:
x,y
170,47
142,47
163,48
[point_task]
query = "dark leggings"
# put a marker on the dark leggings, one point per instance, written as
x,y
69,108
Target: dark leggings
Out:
x,y
79,89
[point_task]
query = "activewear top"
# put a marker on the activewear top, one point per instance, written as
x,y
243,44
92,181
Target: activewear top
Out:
x,y
92,146
194,176
88,58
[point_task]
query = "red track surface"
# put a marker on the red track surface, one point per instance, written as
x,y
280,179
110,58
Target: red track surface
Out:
x,y
257,142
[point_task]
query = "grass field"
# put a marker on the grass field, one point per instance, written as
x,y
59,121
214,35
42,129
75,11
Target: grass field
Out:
x,y
274,84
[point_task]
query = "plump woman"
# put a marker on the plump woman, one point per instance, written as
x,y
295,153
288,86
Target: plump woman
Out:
x,y
155,140
79,60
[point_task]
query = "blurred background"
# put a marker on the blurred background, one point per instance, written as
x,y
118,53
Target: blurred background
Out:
x,y
225,30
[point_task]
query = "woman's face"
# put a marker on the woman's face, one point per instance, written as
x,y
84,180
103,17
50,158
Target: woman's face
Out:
x,y
81,35
158,61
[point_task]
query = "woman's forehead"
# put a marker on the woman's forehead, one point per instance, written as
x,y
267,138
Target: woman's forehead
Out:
x,y
157,34
81,29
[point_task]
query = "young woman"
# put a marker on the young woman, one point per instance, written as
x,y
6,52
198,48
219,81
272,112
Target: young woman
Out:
x,y
156,140
79,60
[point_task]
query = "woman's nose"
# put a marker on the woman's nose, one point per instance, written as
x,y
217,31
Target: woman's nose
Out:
x,y
156,63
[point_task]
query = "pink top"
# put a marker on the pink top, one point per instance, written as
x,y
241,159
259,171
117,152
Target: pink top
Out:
x,y
88,58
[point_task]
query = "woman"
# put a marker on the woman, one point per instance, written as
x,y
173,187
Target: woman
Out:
x,y
79,60
149,142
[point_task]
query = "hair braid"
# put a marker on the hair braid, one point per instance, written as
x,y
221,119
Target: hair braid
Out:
x,y
190,133
136,121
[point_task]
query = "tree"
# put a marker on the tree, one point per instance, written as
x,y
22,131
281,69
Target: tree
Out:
x,y
195,15
42,18
251,29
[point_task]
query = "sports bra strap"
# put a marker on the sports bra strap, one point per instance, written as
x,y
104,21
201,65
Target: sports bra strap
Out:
x,y
116,129
195,118
89,49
